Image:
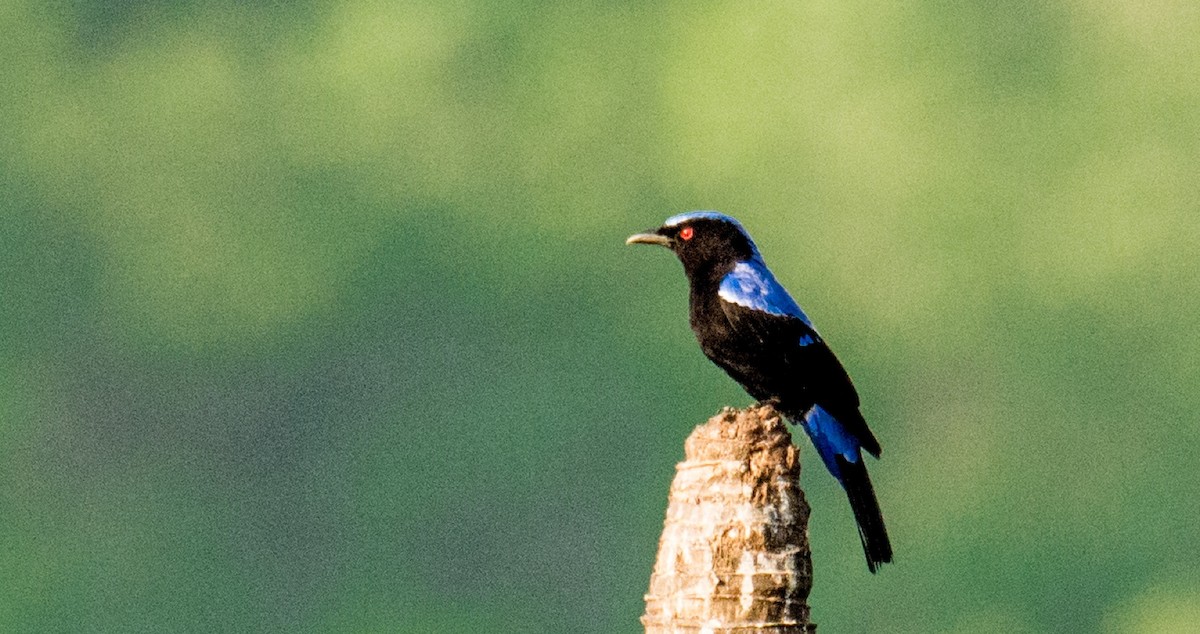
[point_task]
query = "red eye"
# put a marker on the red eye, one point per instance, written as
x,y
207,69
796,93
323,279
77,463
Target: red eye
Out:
x,y
686,233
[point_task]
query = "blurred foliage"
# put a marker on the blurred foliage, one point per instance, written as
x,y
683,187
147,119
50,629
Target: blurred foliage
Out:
x,y
316,316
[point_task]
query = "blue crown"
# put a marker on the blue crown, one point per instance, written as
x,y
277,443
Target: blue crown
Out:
x,y
679,219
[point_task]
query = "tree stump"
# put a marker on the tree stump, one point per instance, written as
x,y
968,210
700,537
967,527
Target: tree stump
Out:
x,y
734,554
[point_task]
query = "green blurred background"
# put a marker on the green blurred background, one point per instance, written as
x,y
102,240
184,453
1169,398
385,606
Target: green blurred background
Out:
x,y
316,317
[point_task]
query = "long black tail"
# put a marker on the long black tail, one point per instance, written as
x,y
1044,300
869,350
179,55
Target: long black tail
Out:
x,y
871,530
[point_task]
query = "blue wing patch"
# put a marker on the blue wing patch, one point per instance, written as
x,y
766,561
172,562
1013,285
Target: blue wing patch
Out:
x,y
751,284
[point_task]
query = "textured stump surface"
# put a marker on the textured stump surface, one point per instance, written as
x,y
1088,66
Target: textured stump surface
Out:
x,y
734,553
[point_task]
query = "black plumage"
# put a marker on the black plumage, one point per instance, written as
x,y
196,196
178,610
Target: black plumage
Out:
x,y
748,325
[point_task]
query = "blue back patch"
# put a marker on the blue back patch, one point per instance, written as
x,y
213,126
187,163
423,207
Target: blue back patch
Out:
x,y
750,284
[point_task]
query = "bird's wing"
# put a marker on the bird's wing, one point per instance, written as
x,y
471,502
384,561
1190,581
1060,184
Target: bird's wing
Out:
x,y
757,305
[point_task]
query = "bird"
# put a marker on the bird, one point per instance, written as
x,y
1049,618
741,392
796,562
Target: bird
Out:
x,y
749,326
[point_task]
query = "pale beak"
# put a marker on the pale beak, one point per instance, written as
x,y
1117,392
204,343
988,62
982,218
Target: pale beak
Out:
x,y
649,238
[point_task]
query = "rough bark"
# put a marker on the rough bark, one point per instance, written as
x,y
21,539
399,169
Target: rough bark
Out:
x,y
734,555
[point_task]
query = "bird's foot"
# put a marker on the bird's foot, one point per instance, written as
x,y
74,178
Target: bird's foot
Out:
x,y
773,402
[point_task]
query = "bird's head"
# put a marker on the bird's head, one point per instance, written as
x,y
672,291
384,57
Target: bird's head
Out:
x,y
703,240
